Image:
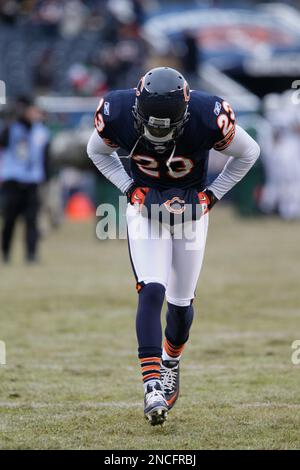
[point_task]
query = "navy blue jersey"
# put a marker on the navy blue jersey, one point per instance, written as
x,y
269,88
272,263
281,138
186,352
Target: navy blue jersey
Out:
x,y
211,125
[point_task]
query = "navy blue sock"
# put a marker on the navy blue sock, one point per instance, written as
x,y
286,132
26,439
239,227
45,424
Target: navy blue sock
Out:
x,y
148,321
179,321
148,330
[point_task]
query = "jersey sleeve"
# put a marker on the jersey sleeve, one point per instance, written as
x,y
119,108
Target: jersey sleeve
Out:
x,y
103,120
222,124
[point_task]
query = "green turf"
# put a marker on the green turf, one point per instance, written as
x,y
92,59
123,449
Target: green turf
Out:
x,y
72,378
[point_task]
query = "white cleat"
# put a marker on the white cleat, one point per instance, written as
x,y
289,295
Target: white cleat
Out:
x,y
156,407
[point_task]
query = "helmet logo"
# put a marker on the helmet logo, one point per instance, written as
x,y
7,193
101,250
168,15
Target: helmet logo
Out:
x,y
140,86
175,205
186,92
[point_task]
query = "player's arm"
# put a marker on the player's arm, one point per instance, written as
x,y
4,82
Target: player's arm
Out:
x,y
243,152
102,147
108,162
231,140
102,151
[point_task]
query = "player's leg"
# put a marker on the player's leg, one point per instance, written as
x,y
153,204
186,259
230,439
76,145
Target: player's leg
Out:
x,y
30,212
187,259
151,261
10,212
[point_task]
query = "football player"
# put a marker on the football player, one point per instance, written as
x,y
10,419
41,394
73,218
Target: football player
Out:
x,y
168,132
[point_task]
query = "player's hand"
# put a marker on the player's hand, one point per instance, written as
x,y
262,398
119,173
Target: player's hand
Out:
x,y
207,200
136,195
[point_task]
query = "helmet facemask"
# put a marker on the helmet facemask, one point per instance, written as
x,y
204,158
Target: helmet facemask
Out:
x,y
159,130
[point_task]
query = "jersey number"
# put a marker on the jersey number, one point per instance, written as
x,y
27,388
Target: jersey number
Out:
x,y
99,122
226,121
150,166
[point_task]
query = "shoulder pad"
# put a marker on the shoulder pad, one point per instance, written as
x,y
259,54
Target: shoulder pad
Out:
x,y
217,117
109,114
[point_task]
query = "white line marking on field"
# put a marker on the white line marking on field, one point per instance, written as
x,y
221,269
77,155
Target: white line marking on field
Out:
x,y
93,405
294,406
187,368
134,405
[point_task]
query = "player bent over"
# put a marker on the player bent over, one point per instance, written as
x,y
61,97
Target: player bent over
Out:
x,y
167,131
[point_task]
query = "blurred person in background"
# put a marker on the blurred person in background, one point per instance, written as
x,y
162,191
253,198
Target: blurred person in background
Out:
x,y
281,159
24,147
9,10
191,57
281,193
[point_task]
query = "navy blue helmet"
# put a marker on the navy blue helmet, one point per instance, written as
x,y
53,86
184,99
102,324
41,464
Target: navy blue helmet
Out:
x,y
161,106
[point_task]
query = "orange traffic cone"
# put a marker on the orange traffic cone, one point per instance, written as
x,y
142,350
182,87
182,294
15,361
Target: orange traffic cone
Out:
x,y
79,208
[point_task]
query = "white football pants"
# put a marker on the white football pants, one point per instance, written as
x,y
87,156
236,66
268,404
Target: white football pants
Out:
x,y
172,257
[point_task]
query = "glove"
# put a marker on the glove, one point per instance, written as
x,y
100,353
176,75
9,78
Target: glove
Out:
x,y
207,200
136,195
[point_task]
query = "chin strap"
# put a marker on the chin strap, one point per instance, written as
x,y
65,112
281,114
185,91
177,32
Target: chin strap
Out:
x,y
168,162
134,147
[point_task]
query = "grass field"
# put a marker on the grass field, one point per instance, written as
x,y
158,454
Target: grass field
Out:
x,y
72,378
